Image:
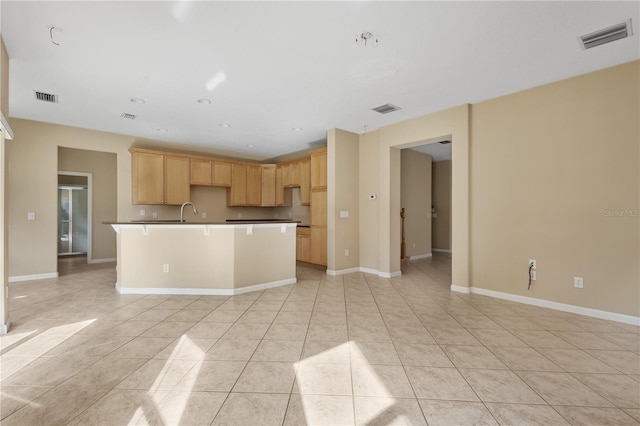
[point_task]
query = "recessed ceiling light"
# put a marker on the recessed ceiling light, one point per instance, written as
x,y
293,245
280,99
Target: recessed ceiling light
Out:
x,y
138,100
224,125
251,145
297,129
162,130
204,101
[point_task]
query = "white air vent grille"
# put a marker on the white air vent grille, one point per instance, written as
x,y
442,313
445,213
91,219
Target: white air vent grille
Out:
x,y
128,116
386,108
45,97
607,35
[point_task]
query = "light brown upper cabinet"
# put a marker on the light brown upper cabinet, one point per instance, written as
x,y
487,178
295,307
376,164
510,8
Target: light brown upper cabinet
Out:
x,y
305,182
221,173
254,185
210,173
295,174
291,174
159,179
283,197
200,172
147,176
177,188
319,168
269,185
237,193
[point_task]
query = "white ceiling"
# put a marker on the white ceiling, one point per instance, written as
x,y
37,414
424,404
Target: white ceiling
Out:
x,y
437,151
283,65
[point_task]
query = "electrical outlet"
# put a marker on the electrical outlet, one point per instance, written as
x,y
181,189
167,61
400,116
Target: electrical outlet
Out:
x,y
31,216
346,252
534,263
143,213
533,275
154,215
578,282
165,268
204,215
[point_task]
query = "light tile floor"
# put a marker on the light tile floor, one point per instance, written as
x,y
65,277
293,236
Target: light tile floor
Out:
x,y
328,350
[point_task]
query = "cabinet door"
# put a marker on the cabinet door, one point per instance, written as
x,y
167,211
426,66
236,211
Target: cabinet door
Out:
x,y
177,189
319,245
254,185
305,182
303,244
269,186
279,188
319,168
200,172
286,176
295,174
319,207
237,194
147,178
221,174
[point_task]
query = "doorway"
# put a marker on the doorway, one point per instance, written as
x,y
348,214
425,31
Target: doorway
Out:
x,y
74,214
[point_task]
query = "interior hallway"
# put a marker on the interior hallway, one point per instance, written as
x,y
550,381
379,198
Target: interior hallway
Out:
x,y
331,350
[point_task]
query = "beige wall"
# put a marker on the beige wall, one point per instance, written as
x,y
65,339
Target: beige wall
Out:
x,y
452,124
441,200
415,198
342,195
368,160
547,164
103,168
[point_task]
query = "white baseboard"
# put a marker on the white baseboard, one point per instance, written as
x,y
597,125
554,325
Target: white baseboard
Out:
x,y
20,278
420,256
203,291
441,250
590,312
460,289
104,260
4,328
343,271
365,271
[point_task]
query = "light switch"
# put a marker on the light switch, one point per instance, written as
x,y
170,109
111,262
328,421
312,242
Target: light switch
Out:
x,y
31,216
344,213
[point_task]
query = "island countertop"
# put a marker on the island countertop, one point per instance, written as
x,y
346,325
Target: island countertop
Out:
x,y
177,222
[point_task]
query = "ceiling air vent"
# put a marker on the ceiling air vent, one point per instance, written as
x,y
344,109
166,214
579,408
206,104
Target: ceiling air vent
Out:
x,y
607,35
128,116
386,108
45,97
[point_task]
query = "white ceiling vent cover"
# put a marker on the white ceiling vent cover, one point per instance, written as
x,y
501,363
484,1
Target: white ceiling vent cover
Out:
x,y
607,35
128,116
386,108
45,97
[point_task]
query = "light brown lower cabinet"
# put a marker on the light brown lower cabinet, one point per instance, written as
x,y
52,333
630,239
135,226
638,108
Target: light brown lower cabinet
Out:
x,y
303,244
319,245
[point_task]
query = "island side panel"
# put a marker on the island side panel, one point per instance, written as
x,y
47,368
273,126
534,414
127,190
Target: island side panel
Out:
x,y
196,261
266,256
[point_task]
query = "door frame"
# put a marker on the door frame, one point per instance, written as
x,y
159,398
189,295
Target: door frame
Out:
x,y
89,177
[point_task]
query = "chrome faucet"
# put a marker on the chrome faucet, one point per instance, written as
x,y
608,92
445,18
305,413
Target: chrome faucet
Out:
x,y
195,211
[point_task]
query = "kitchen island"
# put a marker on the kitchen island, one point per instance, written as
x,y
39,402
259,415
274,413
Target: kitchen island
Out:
x,y
204,258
